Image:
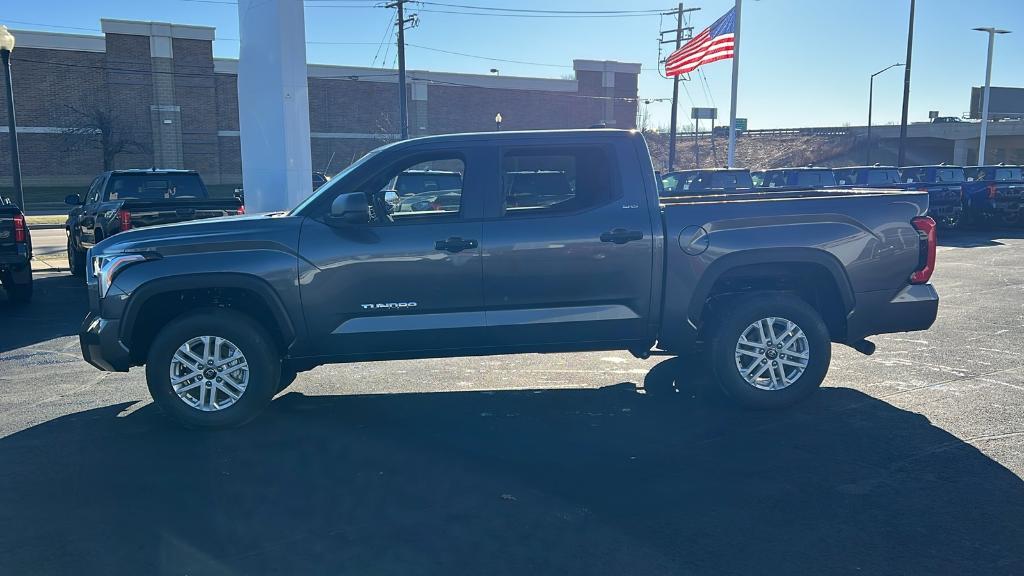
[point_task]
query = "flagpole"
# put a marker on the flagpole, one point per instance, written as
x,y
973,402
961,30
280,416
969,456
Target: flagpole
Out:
x,y
735,79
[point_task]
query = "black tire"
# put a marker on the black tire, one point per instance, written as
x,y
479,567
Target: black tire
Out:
x,y
76,260
252,341
744,312
19,292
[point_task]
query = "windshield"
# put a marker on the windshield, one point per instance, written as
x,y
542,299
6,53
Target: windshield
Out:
x,y
155,186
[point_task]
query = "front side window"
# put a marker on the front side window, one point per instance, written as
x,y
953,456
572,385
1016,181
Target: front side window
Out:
x,y
424,189
545,180
949,175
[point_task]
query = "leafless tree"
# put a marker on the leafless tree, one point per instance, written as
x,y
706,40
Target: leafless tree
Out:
x,y
643,116
113,133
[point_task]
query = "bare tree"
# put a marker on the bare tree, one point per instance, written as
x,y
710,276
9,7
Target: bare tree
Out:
x,y
643,116
113,133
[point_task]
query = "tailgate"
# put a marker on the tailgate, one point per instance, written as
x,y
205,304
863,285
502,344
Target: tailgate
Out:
x,y
168,212
6,231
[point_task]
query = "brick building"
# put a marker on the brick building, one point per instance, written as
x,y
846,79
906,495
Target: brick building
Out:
x,y
158,88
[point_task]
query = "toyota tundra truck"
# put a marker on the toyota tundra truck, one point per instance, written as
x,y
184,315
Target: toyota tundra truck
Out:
x,y
224,312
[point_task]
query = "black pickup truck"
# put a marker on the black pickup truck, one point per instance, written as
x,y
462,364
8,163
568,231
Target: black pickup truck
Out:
x,y
943,184
804,177
224,312
15,253
121,200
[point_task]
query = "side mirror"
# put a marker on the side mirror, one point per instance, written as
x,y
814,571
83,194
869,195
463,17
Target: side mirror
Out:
x,y
72,200
350,209
391,197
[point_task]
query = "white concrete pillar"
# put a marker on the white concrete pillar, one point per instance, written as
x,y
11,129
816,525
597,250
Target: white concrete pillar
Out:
x,y
960,152
273,104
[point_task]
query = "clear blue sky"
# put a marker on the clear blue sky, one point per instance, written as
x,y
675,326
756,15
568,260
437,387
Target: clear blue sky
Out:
x,y
803,62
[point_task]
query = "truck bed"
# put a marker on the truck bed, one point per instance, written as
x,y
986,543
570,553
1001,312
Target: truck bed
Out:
x,y
863,237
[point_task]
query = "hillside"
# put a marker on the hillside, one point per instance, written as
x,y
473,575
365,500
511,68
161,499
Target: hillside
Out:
x,y
761,152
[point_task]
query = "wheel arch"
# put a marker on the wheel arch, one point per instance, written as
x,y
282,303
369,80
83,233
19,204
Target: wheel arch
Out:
x,y
219,289
828,280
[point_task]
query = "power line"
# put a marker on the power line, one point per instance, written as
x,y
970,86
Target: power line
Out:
x,y
537,11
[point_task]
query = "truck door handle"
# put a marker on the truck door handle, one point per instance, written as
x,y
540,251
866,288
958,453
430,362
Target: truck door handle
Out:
x,y
454,244
621,236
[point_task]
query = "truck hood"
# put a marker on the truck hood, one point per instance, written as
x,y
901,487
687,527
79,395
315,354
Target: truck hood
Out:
x,y
208,235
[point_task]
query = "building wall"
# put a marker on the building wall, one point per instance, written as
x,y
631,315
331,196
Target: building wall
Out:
x,y
178,106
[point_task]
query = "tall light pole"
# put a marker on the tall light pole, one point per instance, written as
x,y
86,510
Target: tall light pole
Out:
x,y
988,81
6,46
871,94
901,156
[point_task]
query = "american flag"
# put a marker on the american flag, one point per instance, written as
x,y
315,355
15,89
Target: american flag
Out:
x,y
713,44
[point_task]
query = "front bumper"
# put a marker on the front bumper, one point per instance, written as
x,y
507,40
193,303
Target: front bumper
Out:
x,y
101,346
912,308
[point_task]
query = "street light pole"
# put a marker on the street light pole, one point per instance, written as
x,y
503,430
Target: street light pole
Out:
x,y
871,93
6,46
988,81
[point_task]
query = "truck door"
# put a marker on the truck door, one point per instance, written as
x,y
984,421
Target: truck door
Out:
x,y
567,249
410,281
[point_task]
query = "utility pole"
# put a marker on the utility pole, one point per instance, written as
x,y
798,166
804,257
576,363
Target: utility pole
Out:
x,y
681,34
906,90
403,104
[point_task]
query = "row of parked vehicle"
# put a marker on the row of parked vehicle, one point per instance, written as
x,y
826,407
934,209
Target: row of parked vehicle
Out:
x,y
977,195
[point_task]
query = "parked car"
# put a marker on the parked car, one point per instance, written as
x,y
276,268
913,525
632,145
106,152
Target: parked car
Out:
x,y
707,181
15,253
943,185
121,200
946,120
223,313
806,177
994,194
868,176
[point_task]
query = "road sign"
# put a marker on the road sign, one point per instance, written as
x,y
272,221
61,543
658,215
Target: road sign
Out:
x,y
741,124
703,113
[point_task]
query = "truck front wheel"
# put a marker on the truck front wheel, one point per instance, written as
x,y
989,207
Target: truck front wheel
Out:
x,y
213,368
770,350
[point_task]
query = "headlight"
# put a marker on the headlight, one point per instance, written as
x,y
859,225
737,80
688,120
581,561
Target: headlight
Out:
x,y
105,268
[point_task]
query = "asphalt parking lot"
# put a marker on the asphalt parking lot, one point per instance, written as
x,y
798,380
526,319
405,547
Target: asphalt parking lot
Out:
x,y
907,462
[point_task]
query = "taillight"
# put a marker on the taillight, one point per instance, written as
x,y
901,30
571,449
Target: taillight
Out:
x,y
125,217
991,191
925,227
20,234
241,209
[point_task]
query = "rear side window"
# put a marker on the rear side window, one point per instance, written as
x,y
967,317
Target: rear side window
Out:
x,y
547,180
1003,174
155,186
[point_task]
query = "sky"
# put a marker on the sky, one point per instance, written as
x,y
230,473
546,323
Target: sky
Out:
x,y
802,62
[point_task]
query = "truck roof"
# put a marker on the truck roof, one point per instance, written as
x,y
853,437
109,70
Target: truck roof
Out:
x,y
587,134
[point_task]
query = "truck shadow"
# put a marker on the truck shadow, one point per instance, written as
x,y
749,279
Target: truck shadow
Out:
x,y
658,478
59,304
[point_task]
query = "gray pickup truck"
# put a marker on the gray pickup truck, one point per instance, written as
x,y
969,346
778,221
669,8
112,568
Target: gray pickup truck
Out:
x,y
224,312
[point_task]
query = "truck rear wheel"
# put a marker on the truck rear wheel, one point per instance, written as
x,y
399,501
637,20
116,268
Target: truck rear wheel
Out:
x,y
770,350
213,369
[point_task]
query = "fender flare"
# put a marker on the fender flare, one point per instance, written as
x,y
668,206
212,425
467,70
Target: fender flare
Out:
x,y
201,280
813,256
